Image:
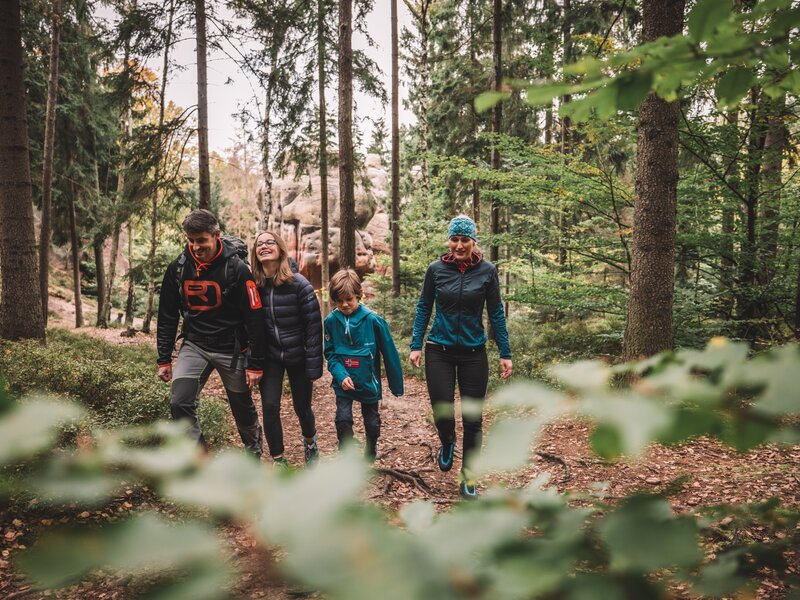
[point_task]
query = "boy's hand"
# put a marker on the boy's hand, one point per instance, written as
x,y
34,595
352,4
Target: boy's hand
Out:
x,y
506,368
348,384
415,357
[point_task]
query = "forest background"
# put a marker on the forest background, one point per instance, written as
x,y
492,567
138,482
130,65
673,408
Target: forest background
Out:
x,y
636,190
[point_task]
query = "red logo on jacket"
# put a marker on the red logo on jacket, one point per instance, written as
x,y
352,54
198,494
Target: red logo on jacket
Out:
x,y
202,295
352,363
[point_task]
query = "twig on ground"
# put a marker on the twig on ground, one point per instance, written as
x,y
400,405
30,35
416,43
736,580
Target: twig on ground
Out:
x,y
409,477
557,459
386,453
20,593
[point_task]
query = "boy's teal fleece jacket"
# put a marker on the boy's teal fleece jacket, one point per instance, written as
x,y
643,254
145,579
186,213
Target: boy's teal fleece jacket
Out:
x,y
352,348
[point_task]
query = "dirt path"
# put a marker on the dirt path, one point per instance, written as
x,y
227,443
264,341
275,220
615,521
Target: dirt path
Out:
x,y
709,473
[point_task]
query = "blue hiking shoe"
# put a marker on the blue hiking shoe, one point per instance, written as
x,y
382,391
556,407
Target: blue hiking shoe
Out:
x,y
311,451
467,486
445,457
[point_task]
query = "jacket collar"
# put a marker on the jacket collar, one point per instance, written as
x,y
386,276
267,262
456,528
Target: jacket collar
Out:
x,y
462,266
199,265
361,312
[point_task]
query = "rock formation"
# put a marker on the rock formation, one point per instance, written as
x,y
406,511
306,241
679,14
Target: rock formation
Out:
x,y
295,217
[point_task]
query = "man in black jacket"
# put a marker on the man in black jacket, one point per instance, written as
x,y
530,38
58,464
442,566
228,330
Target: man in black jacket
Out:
x,y
213,290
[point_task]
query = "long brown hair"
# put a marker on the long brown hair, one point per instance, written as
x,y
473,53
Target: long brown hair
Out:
x,y
282,275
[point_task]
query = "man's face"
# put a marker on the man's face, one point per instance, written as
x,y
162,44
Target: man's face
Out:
x,y
347,306
203,245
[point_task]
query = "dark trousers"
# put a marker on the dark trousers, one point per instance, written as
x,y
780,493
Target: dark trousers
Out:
x,y
444,367
190,373
344,419
271,387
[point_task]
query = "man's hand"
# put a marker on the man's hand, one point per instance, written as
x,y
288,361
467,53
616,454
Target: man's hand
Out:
x,y
253,377
348,385
165,372
506,368
415,357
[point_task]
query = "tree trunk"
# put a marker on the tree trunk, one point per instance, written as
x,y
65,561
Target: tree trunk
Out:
x,y
20,294
770,188
202,105
75,243
323,157
100,277
497,63
649,324
566,127
130,304
347,239
112,270
395,156
47,158
266,159
151,256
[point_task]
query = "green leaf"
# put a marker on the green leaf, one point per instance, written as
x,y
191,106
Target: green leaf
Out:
x,y
632,88
733,86
147,544
488,100
583,374
508,445
638,420
705,16
776,372
644,535
720,577
33,426
418,515
791,82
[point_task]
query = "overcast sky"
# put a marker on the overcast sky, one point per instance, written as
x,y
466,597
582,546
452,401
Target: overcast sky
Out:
x,y
229,87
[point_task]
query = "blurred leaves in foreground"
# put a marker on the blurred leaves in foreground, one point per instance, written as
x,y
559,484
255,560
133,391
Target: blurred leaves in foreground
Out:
x,y
524,543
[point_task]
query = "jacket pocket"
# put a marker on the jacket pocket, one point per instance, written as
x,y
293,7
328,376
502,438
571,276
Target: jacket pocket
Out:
x,y
360,366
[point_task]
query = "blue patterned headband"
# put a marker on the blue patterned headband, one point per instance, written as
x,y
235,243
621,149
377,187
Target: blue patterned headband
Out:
x,y
462,225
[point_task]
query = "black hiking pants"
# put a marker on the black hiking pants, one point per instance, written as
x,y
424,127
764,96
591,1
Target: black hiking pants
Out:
x,y
271,387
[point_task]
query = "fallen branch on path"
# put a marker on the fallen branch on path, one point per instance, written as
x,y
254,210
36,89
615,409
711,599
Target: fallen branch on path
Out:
x,y
410,477
557,459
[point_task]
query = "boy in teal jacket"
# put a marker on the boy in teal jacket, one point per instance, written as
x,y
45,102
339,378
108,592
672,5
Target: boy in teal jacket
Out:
x,y
355,338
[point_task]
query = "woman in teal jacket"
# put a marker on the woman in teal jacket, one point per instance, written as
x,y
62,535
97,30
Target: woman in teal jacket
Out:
x,y
459,285
355,340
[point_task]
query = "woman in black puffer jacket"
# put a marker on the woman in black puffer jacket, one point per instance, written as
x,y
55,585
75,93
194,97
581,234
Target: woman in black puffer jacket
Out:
x,y
294,342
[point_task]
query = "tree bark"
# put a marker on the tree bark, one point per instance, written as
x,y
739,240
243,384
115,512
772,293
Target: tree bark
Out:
x,y
323,157
649,324
130,304
395,155
771,184
47,158
75,244
100,277
266,159
20,294
151,256
202,105
347,251
497,63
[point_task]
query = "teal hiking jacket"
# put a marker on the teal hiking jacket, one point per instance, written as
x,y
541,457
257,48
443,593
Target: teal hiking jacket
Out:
x,y
353,346
460,293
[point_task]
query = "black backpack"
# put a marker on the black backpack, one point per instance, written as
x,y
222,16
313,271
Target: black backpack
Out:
x,y
230,265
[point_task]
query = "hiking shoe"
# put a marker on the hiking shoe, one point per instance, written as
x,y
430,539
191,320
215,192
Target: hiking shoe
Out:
x,y
281,463
467,487
371,449
445,457
311,451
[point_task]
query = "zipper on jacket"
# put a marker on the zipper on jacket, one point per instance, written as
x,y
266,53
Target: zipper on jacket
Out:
x,y
460,294
274,320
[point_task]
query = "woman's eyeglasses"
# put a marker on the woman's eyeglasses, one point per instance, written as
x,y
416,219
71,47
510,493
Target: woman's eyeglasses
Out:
x,y
260,243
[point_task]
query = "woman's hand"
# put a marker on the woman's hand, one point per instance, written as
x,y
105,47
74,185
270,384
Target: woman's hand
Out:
x,y
506,368
415,357
253,377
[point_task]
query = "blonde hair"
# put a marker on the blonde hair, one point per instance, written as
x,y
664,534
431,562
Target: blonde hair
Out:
x,y
282,275
345,283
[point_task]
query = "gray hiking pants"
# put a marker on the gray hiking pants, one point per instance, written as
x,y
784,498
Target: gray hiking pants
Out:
x,y
189,374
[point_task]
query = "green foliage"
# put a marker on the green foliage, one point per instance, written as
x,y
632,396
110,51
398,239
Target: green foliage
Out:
x,y
524,543
116,383
722,42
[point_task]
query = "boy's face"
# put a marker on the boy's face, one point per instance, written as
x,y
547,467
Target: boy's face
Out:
x,y
346,305
203,245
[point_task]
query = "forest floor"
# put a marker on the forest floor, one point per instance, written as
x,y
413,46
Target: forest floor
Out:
x,y
695,474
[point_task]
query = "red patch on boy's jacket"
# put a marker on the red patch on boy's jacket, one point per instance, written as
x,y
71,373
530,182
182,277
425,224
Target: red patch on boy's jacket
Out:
x,y
253,296
352,363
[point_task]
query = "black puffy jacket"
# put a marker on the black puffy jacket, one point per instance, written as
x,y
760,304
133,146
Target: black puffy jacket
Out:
x,y
293,325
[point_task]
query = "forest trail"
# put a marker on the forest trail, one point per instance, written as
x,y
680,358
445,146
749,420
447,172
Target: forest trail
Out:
x,y
700,473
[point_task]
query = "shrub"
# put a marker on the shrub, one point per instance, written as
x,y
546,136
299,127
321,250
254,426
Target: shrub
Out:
x,y
118,384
